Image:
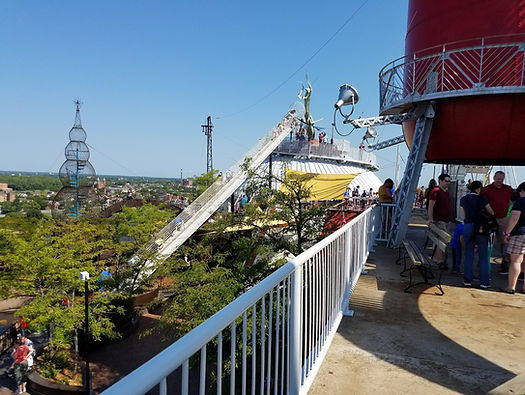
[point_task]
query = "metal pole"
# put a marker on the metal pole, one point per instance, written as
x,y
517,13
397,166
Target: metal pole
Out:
x,y
207,130
86,336
270,172
295,331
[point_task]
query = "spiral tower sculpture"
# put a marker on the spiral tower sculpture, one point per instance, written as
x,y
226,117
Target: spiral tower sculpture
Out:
x,y
77,197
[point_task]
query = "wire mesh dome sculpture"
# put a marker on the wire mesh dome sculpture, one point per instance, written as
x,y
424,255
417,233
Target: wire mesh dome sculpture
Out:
x,y
77,197
72,203
77,133
77,173
77,150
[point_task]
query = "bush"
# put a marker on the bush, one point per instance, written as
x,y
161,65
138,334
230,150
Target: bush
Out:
x,y
54,360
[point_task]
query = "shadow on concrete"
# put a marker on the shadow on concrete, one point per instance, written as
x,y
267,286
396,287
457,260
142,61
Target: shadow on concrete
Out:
x,y
449,340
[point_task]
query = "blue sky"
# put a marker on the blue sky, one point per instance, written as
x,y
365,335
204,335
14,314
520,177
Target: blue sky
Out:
x,y
149,73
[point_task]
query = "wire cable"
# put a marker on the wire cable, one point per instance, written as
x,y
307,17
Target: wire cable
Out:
x,y
112,160
300,67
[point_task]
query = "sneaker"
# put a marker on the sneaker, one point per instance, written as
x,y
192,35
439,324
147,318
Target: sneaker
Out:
x,y
503,272
508,291
484,286
520,277
467,284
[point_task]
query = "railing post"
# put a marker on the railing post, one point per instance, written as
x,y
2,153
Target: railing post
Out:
x,y
295,331
348,254
481,60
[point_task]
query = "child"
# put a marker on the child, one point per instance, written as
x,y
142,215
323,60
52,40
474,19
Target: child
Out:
x,y
455,243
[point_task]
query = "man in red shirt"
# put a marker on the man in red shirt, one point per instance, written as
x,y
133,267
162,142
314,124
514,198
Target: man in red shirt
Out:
x,y
499,195
440,210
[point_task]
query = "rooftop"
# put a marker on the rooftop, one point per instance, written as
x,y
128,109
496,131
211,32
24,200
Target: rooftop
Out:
x,y
468,341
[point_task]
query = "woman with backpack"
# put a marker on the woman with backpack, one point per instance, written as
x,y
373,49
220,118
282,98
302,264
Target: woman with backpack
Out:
x,y
515,237
472,206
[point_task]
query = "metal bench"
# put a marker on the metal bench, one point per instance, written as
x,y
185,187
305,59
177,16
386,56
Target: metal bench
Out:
x,y
440,238
420,261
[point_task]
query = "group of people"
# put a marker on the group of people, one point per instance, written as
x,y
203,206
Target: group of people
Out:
x,y
357,198
22,354
481,208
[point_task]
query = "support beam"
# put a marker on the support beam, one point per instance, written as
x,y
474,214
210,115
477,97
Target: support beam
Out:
x,y
407,189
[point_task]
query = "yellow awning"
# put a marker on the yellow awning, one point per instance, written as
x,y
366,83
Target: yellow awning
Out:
x,y
322,186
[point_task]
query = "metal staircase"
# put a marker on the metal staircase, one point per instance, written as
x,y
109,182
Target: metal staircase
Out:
x,y
407,190
173,235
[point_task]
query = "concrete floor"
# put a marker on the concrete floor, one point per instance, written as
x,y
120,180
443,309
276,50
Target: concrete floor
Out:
x,y
468,341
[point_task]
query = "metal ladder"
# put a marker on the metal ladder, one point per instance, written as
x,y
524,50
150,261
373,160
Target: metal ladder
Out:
x,y
407,190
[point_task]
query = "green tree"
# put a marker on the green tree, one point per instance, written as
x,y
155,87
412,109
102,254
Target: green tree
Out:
x,y
45,264
31,182
11,207
286,215
133,229
203,181
44,261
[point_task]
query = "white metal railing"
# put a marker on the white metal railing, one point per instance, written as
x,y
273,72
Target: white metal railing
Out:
x,y
489,65
273,338
384,220
340,150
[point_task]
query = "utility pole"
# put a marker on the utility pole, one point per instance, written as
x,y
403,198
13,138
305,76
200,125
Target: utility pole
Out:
x,y
207,129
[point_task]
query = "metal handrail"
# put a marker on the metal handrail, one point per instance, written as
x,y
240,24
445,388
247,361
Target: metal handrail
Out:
x,y
340,151
207,203
294,314
488,65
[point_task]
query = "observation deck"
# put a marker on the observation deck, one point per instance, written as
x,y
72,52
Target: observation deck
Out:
x,y
340,151
485,66
289,339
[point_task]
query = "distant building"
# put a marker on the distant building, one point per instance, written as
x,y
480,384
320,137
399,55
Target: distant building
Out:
x,y
100,185
187,183
6,193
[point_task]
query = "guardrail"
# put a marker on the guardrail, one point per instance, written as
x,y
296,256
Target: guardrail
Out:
x,y
275,335
384,220
340,150
489,65
8,337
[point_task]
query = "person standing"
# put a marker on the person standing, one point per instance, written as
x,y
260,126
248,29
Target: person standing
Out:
x,y
440,212
431,185
20,354
385,191
29,343
499,195
471,206
515,237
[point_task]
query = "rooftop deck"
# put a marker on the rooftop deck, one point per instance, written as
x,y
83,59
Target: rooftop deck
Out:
x,y
467,341
340,151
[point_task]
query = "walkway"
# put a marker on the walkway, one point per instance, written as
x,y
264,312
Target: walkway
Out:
x,y
467,341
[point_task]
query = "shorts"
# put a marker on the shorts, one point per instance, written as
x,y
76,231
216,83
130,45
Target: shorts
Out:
x,y
502,225
21,372
516,245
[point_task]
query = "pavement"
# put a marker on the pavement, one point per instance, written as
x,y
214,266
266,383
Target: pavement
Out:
x,y
469,341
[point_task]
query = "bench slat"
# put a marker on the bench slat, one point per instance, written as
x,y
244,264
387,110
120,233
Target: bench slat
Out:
x,y
446,237
437,240
412,252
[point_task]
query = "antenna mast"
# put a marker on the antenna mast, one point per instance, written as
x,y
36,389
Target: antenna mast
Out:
x,y
207,129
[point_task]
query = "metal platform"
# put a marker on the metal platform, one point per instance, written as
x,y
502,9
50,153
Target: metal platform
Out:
x,y
485,66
